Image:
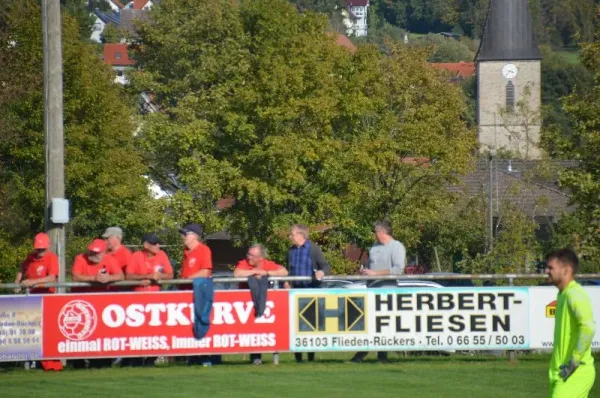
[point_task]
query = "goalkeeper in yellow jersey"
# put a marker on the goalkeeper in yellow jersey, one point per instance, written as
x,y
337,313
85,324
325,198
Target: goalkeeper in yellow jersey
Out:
x,y
572,365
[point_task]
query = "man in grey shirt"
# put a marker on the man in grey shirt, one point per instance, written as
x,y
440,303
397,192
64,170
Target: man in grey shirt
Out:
x,y
386,257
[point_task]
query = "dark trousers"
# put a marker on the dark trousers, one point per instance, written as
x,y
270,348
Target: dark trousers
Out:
x,y
253,357
298,356
359,356
77,363
199,359
132,362
304,285
100,363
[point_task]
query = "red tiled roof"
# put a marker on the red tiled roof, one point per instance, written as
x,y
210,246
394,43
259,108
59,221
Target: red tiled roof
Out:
x,y
118,3
458,69
357,3
116,54
139,4
225,203
344,41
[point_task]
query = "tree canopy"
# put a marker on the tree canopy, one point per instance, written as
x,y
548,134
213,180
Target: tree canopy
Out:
x,y
259,104
582,143
104,172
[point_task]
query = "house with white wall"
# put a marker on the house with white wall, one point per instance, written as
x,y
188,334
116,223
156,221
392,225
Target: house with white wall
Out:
x,y
355,17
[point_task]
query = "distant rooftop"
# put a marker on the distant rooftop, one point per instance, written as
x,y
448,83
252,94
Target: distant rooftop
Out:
x,y
458,69
116,54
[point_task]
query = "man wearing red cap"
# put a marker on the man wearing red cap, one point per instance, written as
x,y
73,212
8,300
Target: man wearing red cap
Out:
x,y
40,266
95,266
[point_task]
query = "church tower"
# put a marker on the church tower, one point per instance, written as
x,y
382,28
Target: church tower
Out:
x,y
509,81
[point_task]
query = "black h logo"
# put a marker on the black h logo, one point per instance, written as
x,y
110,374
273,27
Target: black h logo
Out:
x,y
345,314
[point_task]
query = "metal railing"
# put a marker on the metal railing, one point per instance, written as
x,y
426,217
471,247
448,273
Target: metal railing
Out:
x,y
416,277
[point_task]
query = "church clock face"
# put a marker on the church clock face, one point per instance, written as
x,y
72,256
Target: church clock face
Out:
x,y
510,71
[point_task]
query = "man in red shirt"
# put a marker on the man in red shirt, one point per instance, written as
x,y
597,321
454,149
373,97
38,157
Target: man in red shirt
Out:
x,y
121,254
257,265
149,265
95,266
40,266
197,263
197,257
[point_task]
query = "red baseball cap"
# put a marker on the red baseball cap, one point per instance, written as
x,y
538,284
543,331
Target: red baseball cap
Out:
x,y
42,241
97,246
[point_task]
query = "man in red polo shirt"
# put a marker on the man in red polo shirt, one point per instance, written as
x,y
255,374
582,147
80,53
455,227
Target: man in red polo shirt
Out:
x,y
197,257
95,266
197,263
40,266
149,265
121,254
257,265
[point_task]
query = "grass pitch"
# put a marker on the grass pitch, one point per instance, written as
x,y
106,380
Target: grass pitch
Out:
x,y
330,376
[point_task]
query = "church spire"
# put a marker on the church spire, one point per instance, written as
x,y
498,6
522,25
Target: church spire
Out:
x,y
508,33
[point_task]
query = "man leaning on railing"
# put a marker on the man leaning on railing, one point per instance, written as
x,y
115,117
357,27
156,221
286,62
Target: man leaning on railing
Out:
x,y
386,257
255,265
305,258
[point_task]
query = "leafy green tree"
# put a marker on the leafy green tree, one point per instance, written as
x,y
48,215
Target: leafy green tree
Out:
x,y
102,5
104,172
323,6
559,79
111,34
79,10
582,144
259,104
446,49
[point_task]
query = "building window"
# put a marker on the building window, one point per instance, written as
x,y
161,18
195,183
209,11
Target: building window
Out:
x,y
510,97
118,55
358,11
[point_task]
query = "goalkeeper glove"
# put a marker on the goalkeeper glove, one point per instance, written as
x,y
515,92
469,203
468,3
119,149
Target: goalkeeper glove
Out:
x,y
567,370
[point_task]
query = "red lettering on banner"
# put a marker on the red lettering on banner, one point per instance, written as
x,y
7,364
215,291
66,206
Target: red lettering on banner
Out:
x,y
150,324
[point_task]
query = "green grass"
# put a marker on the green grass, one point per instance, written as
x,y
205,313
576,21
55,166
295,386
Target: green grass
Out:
x,y
569,55
423,376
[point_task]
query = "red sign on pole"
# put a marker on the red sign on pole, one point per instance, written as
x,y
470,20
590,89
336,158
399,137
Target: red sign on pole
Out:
x,y
160,324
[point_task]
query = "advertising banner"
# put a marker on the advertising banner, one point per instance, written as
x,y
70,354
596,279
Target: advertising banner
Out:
x,y
20,328
409,319
160,324
541,314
